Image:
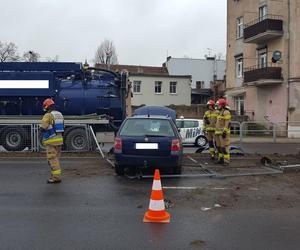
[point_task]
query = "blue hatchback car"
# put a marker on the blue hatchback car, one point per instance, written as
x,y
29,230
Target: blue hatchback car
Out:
x,y
148,141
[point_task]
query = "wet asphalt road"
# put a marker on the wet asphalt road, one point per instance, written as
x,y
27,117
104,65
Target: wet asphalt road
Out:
x,y
105,212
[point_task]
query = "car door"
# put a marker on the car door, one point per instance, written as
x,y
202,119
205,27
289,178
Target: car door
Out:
x,y
191,130
180,125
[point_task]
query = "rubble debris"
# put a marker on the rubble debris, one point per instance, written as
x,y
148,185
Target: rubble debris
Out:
x,y
168,203
197,242
266,161
205,208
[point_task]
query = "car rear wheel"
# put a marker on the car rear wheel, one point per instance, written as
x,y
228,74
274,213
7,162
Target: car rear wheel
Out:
x,y
119,169
201,141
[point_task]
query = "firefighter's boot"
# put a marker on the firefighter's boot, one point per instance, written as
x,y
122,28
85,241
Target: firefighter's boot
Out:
x,y
220,159
212,150
53,181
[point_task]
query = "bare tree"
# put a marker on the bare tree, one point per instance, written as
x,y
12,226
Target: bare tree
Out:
x,y
8,52
106,53
31,56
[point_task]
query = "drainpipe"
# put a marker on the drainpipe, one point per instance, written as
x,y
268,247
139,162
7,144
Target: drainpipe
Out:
x,y
288,64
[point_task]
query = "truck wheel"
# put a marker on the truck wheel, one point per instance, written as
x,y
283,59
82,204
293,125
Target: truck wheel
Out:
x,y
201,141
14,139
119,169
76,140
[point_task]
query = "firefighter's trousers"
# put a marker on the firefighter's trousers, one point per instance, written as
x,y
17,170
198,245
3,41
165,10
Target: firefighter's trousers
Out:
x,y
223,146
53,154
211,138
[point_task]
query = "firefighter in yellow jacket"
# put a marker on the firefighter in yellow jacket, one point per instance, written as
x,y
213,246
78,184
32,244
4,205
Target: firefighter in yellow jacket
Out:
x,y
52,128
223,132
209,126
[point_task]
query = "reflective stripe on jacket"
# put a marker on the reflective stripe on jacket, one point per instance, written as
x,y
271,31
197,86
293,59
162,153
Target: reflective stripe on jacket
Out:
x,y
210,116
223,122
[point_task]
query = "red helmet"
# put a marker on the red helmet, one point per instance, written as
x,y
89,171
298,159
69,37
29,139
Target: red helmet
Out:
x,y
47,103
222,103
211,103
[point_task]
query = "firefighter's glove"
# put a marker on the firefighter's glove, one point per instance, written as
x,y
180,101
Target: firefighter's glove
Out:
x,y
207,120
224,135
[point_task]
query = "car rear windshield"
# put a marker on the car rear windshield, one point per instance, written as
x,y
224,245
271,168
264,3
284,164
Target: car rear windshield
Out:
x,y
147,127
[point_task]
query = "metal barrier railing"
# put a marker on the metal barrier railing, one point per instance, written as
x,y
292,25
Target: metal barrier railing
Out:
x,y
266,131
79,138
27,137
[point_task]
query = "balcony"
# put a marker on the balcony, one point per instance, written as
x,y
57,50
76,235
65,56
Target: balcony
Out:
x,y
262,76
259,31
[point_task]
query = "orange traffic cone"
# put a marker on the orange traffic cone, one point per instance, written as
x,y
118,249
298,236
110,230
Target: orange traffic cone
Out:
x,y
157,211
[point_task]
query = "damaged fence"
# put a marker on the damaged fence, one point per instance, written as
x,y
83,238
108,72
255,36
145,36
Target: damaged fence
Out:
x,y
26,136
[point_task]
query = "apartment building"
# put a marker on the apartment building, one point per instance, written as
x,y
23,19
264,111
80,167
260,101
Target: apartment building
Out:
x,y
155,86
208,76
263,60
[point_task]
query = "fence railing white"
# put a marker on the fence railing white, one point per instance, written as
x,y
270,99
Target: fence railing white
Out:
x,y
266,131
27,136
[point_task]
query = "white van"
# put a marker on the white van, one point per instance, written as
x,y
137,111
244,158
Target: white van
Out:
x,y
191,131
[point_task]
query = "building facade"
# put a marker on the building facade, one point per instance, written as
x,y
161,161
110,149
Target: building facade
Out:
x,y
263,60
160,90
155,86
205,73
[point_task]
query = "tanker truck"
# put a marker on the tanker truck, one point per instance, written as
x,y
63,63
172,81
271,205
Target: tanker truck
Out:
x,y
86,96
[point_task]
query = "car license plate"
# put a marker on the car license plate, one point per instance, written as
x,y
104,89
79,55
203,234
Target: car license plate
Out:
x,y
146,146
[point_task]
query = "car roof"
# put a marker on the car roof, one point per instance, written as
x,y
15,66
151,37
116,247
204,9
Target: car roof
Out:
x,y
155,111
189,119
150,117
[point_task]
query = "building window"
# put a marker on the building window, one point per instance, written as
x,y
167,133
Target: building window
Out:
x,y
158,87
263,13
239,67
239,105
262,58
137,87
239,27
173,87
199,84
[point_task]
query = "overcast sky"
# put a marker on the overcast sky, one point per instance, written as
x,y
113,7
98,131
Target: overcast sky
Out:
x,y
144,31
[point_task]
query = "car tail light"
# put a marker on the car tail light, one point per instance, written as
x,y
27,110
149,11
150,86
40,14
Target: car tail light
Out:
x,y
118,144
176,145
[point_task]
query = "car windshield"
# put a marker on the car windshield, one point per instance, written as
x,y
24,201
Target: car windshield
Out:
x,y
147,127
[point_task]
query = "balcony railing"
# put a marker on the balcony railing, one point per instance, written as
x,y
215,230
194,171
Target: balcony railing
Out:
x,y
262,29
263,75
